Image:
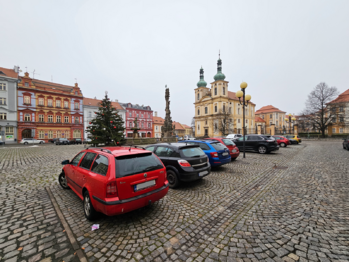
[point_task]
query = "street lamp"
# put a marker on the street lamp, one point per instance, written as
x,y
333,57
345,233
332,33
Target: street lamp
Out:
x,y
244,103
290,120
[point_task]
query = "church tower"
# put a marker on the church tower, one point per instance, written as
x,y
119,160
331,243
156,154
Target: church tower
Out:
x,y
219,87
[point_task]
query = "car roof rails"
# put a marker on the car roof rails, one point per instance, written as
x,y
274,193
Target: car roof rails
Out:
x,y
102,149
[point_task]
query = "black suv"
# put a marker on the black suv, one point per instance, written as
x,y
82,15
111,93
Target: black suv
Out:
x,y
346,143
75,141
261,143
183,162
62,141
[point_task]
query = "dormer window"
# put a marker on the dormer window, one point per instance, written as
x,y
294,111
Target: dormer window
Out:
x,y
26,84
76,92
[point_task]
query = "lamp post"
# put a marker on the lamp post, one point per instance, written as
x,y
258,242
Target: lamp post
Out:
x,y
245,99
290,120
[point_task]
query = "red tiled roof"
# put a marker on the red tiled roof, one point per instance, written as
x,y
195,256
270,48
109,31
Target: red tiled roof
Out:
x,y
268,109
158,120
178,126
258,119
8,72
186,126
343,97
96,102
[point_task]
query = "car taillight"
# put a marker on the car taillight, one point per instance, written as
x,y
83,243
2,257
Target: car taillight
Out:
x,y
184,163
111,189
270,140
214,154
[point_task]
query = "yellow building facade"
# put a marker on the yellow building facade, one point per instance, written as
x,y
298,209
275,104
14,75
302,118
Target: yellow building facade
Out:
x,y
217,110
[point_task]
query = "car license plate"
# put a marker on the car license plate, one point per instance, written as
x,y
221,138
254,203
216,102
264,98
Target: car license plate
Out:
x,y
144,185
233,151
203,173
224,154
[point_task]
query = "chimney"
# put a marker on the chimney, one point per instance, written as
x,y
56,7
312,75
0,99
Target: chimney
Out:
x,y
16,69
156,113
116,100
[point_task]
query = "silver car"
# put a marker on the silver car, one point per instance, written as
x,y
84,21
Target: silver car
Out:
x,y
27,141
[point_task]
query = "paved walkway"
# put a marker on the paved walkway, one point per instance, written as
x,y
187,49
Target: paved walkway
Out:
x,y
292,205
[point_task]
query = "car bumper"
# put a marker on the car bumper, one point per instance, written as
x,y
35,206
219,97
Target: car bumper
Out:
x,y
117,207
219,162
197,174
234,155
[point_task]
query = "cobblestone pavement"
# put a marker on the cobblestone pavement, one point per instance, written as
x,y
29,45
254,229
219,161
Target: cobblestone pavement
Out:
x,y
291,205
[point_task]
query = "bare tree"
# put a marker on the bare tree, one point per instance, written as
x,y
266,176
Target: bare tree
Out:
x,y
193,126
225,122
316,110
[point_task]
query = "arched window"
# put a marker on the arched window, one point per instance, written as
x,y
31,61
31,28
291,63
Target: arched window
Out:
x,y
223,107
27,117
238,111
223,90
215,127
198,96
215,108
198,111
215,91
206,110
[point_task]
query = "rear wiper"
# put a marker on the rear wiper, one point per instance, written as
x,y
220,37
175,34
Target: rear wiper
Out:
x,y
149,168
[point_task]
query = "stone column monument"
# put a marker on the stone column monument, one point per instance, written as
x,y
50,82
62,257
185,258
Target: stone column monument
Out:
x,y
167,129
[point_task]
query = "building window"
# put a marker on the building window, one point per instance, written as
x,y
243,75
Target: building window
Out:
x,y
223,90
90,114
27,100
76,105
149,125
49,102
223,108
341,130
215,127
65,104
215,91
334,130
238,111
76,121
50,118
238,121
41,118
130,114
277,123
198,96
215,108
67,134
341,119
41,134
76,92
50,134
142,124
76,134
270,116
26,84
9,130
27,117
41,101
198,111
340,109
58,103
141,115
58,119
246,121
270,123
206,110
229,110
66,119
58,134
2,101
130,124
137,115
2,87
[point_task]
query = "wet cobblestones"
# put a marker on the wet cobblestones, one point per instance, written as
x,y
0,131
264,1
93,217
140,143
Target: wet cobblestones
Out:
x,y
247,210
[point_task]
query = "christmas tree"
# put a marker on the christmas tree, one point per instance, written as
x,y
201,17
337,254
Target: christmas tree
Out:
x,y
107,128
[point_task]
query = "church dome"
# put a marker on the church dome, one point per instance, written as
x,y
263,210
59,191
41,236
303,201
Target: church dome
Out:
x,y
219,75
202,82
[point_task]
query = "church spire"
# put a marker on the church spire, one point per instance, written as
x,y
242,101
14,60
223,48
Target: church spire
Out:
x,y
202,82
219,75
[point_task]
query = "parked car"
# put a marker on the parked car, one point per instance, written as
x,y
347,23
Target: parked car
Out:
x,y
233,136
282,141
87,140
295,137
217,153
2,143
292,141
27,141
75,141
62,141
114,180
53,140
260,143
233,149
346,143
183,162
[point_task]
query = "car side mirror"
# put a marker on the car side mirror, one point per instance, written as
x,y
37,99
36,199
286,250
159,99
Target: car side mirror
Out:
x,y
65,162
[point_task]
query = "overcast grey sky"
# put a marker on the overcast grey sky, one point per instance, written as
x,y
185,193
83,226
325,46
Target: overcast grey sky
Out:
x,y
132,49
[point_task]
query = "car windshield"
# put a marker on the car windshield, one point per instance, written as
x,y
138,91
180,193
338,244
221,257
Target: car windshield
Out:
x,y
78,139
192,152
218,146
135,164
228,142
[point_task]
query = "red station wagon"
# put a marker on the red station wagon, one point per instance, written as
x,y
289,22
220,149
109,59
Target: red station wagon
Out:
x,y
115,180
282,141
233,149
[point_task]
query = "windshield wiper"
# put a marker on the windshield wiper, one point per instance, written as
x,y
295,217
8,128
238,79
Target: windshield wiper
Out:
x,y
149,168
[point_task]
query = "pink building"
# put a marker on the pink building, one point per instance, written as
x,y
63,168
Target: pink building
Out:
x,y
144,116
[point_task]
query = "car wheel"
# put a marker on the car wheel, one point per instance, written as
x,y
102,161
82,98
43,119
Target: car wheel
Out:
x,y
63,181
283,145
41,142
172,179
233,158
90,212
26,143
262,150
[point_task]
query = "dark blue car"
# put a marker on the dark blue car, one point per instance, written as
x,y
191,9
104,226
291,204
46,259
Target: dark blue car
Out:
x,y
217,153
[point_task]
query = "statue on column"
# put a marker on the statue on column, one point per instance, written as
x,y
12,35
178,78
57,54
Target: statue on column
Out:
x,y
167,129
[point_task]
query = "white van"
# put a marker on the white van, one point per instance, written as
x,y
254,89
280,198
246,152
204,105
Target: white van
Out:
x,y
233,136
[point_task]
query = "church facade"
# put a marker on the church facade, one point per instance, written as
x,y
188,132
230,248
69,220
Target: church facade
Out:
x,y
217,110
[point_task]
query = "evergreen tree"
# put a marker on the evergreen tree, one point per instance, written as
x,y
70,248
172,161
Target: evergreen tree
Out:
x,y
107,128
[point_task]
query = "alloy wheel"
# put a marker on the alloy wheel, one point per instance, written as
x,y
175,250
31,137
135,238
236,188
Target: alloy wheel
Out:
x,y
262,149
87,205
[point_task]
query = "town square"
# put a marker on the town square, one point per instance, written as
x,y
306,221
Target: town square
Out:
x,y
174,131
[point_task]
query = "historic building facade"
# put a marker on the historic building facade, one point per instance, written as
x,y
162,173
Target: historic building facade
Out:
x,y
158,122
144,116
339,107
91,106
49,110
8,104
274,118
217,106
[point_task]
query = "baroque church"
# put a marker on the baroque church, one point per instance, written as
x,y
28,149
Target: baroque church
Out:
x,y
217,110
